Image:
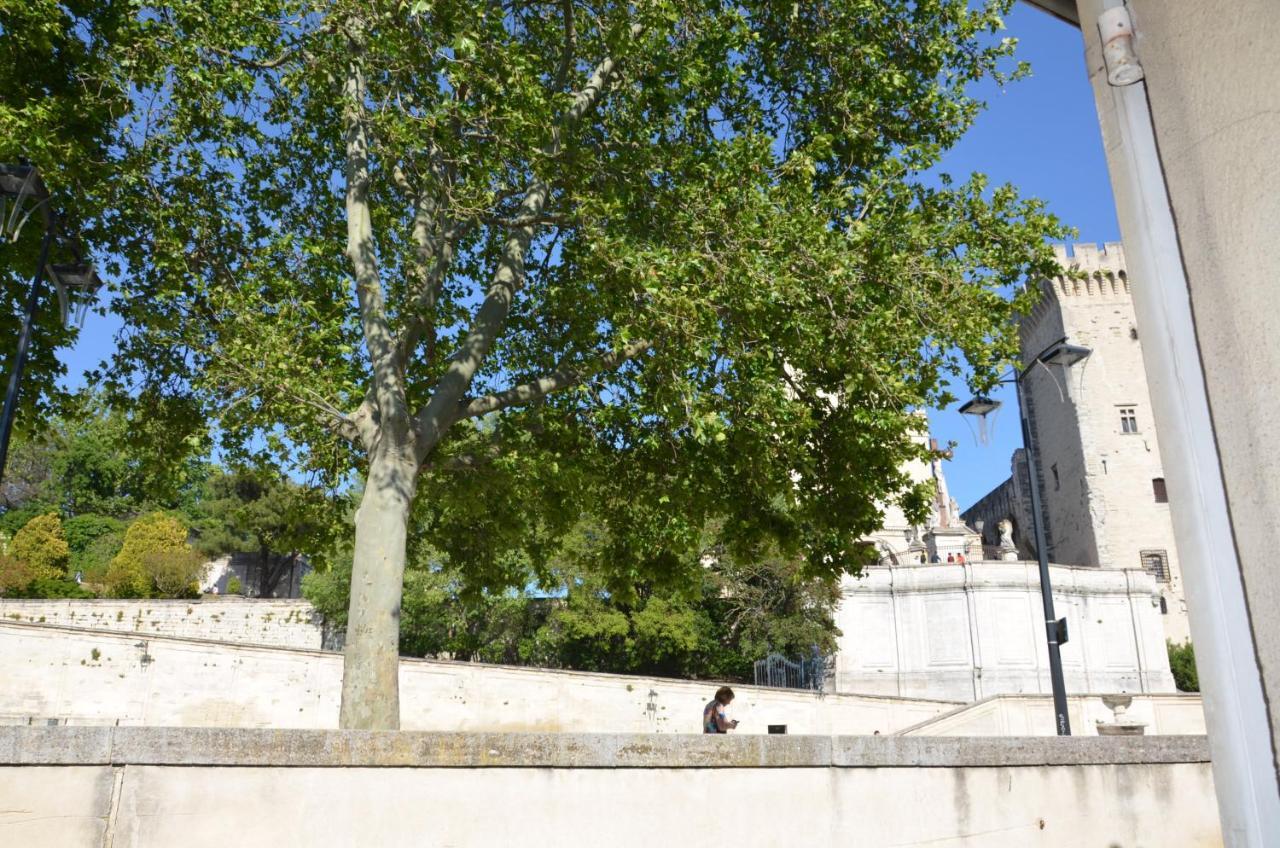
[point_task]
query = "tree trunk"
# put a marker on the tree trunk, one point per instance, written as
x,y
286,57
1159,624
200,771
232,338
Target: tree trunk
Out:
x,y
371,660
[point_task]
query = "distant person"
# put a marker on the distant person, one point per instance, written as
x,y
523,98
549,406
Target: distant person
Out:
x,y
713,717
960,558
935,558
951,557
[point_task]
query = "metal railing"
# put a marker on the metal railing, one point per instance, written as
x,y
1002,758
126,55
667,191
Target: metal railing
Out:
x,y
780,672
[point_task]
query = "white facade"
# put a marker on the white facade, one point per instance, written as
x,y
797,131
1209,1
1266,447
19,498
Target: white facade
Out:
x,y
1100,476
966,632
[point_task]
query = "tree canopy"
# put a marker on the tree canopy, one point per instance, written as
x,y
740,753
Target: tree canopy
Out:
x,y
675,260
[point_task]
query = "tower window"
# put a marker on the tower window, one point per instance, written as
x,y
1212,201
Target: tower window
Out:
x,y
1157,563
1128,419
1057,484
1158,489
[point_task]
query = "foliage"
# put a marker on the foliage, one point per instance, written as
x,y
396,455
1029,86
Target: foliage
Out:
x,y
736,613
234,587
42,544
157,533
15,519
46,587
625,254
94,561
174,573
97,459
14,574
1182,662
84,529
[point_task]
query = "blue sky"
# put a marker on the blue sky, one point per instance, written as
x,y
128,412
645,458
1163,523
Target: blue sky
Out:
x,y
1041,134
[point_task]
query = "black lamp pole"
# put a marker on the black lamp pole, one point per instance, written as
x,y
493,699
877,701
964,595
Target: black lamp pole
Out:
x,y
1058,353
21,184
1055,630
20,360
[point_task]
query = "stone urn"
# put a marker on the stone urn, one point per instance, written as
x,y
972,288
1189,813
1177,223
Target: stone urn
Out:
x,y
1120,724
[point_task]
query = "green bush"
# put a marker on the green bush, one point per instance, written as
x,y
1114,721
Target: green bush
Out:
x,y
1182,662
234,587
127,577
14,575
174,573
42,545
94,561
50,587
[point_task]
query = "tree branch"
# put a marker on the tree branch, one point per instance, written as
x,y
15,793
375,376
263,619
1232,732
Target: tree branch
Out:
x,y
445,405
379,340
561,378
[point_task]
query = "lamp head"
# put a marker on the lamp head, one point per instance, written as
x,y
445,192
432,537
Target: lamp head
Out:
x,y
980,406
1065,354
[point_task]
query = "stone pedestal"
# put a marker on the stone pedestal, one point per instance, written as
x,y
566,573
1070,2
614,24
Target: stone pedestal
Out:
x,y
1120,724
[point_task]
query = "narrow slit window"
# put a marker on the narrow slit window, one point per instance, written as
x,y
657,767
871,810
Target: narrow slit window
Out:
x,y
1158,489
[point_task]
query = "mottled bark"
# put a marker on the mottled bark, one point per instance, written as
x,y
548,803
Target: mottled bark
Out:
x,y
371,660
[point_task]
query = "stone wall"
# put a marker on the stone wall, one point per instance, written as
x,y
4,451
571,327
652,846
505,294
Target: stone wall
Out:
x,y
86,677
283,623
971,631
144,787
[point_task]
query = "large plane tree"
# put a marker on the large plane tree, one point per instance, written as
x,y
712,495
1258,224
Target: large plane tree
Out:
x,y
674,260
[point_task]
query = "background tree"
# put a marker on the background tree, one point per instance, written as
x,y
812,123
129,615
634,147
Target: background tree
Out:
x,y
260,511
621,254
716,625
157,533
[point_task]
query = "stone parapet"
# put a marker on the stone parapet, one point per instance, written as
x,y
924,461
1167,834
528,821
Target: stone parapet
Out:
x,y
186,746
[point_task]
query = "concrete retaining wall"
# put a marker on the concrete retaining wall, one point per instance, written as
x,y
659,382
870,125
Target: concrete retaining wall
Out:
x,y
85,677
283,623
143,787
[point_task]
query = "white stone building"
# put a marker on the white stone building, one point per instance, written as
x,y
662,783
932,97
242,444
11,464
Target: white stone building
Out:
x,y
1100,476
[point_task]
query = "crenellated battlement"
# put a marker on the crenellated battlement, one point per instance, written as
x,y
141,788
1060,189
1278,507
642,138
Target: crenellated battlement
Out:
x,y
1088,257
1090,271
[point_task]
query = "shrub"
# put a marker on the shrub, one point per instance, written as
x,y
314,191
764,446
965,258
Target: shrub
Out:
x,y
50,587
14,575
1182,662
94,561
42,545
127,577
234,587
172,573
83,530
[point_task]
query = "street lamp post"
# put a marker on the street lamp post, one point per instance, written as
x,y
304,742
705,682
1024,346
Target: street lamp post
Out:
x,y
21,185
1066,355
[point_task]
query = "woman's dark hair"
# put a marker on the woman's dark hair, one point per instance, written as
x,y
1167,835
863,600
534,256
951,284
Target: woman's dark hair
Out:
x,y
724,694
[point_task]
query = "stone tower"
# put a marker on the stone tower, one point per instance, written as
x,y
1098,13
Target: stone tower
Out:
x,y
1099,469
